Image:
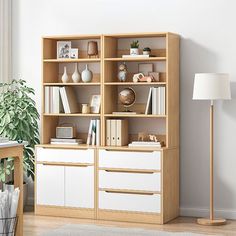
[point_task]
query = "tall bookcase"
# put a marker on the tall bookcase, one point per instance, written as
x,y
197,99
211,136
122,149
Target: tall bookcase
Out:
x,y
165,48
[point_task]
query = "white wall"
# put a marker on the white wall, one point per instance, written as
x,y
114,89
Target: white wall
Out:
x,y
208,44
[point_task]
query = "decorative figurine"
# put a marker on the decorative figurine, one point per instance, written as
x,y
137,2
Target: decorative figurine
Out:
x,y
122,74
76,74
146,51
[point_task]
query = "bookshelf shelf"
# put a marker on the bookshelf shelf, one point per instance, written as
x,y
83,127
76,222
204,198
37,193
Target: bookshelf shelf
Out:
x,y
72,115
72,60
136,59
135,115
72,84
135,84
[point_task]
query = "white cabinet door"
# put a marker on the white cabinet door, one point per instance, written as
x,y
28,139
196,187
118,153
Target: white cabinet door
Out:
x,y
79,187
50,185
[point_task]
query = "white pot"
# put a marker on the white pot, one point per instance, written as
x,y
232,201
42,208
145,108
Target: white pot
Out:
x,y
11,187
134,51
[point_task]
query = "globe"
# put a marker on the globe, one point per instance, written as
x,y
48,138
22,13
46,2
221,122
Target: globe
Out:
x,y
127,97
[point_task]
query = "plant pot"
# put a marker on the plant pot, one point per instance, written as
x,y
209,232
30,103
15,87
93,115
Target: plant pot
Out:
x,y
10,187
134,51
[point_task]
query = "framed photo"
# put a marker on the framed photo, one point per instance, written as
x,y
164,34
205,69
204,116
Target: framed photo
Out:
x,y
95,104
63,49
145,68
74,53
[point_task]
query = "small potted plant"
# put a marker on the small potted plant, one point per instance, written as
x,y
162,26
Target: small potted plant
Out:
x,y
18,121
134,48
147,51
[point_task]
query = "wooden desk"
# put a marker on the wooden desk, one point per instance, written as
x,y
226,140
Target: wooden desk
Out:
x,y
15,150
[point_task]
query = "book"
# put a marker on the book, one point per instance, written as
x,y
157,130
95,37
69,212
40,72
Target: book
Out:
x,y
145,145
113,132
89,138
66,140
98,132
122,132
108,132
124,112
46,100
148,109
56,100
136,56
69,100
63,143
93,132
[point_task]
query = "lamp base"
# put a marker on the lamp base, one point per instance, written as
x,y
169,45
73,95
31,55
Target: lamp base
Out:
x,y
209,222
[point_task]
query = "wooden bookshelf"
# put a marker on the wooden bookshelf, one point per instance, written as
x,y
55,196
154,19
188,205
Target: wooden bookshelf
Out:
x,y
111,47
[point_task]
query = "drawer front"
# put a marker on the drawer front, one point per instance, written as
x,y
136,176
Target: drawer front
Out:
x,y
130,202
134,181
134,160
65,155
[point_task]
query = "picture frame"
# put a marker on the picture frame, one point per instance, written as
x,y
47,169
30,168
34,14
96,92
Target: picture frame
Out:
x,y
63,49
95,104
74,53
145,68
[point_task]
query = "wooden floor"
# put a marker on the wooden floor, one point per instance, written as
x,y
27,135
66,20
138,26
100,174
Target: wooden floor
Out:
x,y
35,225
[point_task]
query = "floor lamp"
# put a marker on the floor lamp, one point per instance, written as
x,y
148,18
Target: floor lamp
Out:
x,y
211,86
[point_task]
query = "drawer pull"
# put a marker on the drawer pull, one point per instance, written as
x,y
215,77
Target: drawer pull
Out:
x,y
131,171
65,164
128,150
126,191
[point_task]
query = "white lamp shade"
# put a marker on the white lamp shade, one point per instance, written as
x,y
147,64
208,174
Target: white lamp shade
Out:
x,y
211,86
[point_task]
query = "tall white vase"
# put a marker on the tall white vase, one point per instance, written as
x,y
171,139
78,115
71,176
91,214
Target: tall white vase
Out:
x,y
65,78
76,74
87,75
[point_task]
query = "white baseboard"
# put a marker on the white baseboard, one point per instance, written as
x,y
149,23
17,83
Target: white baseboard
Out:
x,y
204,212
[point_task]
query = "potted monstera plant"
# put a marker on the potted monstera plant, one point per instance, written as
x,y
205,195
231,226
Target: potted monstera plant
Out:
x,y
19,122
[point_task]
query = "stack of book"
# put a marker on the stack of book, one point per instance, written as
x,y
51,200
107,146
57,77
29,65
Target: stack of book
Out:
x,y
116,132
66,141
137,56
60,99
146,144
94,133
4,140
156,103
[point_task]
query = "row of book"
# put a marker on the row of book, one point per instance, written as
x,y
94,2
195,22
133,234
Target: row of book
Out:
x,y
94,133
116,132
156,103
60,99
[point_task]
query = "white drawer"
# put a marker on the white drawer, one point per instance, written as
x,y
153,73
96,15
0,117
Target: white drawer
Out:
x,y
134,160
65,155
134,181
129,202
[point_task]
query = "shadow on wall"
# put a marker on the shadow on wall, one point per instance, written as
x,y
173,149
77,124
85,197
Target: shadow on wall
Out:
x,y
194,126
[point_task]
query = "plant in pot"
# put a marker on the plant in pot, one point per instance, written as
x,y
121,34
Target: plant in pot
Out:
x,y
18,121
134,48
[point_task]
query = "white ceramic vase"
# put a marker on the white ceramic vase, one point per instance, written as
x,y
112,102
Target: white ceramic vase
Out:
x,y
86,75
134,51
65,78
76,74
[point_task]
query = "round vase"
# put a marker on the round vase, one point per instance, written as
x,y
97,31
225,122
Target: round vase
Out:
x,y
86,75
65,77
76,74
134,51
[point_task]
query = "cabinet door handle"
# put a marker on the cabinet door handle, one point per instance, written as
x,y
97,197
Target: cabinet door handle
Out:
x,y
65,164
127,150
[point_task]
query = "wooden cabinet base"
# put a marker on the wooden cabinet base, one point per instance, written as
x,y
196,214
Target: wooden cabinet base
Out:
x,y
65,211
127,216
